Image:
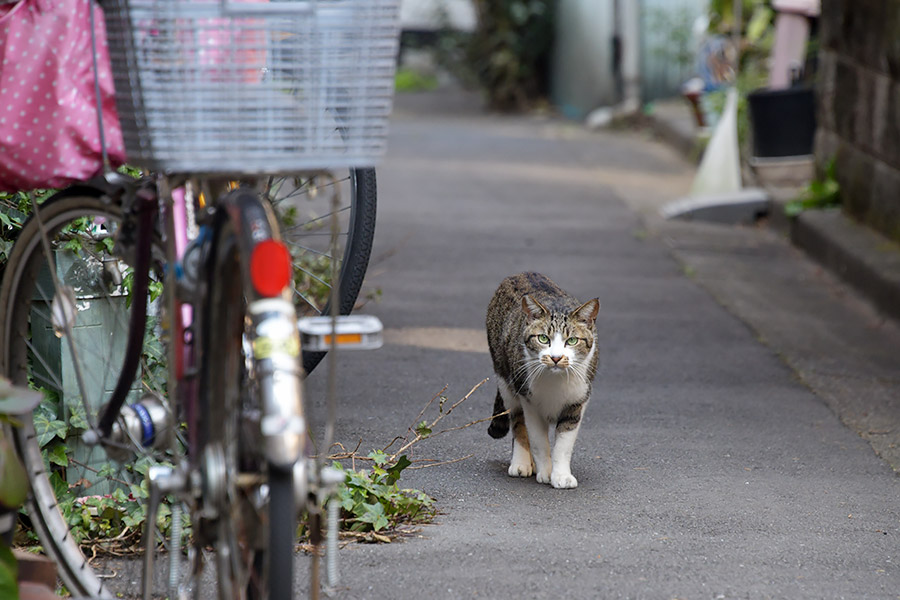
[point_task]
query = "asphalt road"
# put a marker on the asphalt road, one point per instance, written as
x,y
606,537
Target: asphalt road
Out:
x,y
708,464
745,414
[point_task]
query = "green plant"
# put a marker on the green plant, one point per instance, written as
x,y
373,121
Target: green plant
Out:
x,y
373,506
14,210
819,194
371,500
756,39
110,522
756,15
509,50
103,523
15,207
410,80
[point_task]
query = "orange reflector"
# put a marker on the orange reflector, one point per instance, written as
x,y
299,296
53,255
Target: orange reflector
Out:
x,y
345,338
270,268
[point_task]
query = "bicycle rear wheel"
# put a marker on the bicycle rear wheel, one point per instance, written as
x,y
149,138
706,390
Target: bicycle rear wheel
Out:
x,y
304,207
63,332
248,511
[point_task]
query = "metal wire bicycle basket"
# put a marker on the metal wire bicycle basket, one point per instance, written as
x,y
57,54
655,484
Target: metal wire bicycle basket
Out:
x,y
253,86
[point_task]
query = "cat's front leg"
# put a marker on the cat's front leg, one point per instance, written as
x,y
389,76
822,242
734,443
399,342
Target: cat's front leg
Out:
x,y
521,464
539,439
566,433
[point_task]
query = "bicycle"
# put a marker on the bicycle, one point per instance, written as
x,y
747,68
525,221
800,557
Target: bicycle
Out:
x,y
212,418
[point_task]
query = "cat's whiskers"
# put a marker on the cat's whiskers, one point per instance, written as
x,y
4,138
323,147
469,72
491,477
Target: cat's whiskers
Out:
x,y
575,369
535,368
526,369
581,371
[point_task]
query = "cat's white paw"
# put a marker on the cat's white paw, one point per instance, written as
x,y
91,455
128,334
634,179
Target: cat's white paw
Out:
x,y
543,476
563,482
520,470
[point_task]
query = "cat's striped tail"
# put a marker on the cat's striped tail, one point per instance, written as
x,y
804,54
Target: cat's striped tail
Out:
x,y
499,426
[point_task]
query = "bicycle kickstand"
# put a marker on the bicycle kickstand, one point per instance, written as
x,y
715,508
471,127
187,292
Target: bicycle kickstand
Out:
x,y
347,332
162,480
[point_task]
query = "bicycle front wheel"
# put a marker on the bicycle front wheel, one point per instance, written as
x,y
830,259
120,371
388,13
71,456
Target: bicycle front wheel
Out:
x,y
67,298
306,206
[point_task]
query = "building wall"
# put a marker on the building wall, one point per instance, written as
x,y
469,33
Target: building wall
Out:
x,y
859,107
582,75
658,50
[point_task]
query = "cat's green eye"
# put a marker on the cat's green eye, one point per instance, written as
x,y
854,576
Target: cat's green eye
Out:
x,y
571,341
543,339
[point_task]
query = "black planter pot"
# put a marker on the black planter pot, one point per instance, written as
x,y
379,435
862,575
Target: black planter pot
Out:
x,y
783,122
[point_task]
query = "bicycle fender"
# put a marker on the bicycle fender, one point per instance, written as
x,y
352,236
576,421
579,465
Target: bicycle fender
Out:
x,y
275,346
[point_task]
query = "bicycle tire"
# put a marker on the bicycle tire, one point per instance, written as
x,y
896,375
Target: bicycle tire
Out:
x,y
260,544
281,538
358,209
26,360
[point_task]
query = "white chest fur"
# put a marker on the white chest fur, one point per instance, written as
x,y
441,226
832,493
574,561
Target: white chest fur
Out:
x,y
552,391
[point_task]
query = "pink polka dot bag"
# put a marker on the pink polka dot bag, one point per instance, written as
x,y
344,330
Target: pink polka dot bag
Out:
x,y
49,133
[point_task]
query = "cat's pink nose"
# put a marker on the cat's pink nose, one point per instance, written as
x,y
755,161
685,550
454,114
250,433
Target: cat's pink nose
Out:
x,y
556,359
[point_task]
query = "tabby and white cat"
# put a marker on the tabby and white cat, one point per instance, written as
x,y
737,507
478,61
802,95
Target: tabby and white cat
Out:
x,y
544,346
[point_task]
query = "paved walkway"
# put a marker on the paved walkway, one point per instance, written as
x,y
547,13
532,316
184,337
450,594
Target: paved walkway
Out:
x,y
712,462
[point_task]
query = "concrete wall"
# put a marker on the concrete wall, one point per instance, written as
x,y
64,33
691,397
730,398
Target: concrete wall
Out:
x,y
859,107
582,75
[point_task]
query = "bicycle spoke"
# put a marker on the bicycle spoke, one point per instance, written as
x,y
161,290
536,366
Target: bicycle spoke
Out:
x,y
306,299
310,250
317,220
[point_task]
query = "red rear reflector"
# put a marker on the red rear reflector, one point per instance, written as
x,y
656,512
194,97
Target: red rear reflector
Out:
x,y
270,268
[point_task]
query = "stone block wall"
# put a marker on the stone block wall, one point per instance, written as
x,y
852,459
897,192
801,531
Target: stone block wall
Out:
x,y
859,107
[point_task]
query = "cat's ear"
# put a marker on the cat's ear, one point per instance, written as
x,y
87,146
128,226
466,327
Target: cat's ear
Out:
x,y
587,312
532,308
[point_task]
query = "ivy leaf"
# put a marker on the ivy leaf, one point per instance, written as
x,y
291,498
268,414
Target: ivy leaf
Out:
x,y
379,457
107,470
422,429
380,523
136,491
47,429
57,455
156,289
60,487
5,247
73,245
348,503
136,518
164,513
394,471
374,516
78,416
